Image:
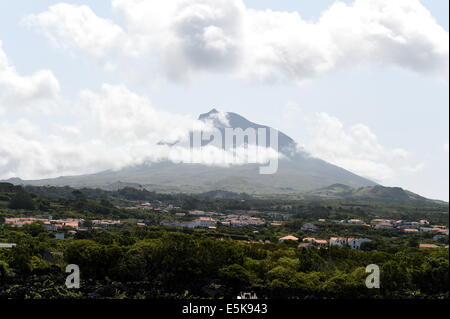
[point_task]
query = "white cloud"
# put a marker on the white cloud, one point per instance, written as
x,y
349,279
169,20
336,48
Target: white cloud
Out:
x,y
187,37
85,30
220,117
114,128
18,91
124,116
355,148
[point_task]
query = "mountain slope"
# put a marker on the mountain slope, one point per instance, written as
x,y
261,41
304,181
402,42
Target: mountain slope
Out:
x,y
376,193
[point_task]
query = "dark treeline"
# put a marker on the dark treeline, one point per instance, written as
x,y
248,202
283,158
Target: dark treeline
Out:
x,y
139,263
133,261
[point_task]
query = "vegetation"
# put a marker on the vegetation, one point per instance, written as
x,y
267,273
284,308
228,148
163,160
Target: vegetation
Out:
x,y
131,261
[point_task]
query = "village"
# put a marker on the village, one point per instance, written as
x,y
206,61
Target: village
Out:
x,y
192,219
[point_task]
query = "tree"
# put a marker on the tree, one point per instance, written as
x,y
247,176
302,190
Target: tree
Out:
x,y
22,200
235,275
79,196
413,242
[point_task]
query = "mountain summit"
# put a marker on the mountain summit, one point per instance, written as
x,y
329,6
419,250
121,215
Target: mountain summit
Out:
x,y
223,120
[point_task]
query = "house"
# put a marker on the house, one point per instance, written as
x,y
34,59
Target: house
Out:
x,y
410,230
254,221
316,242
7,245
438,237
205,222
440,229
382,221
424,222
338,241
355,243
106,222
276,224
400,223
146,204
59,236
196,212
439,226
20,221
428,246
283,239
177,224
68,222
49,224
305,245
355,221
309,227
236,222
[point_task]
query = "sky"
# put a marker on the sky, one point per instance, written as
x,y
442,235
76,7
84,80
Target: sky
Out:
x,y
92,85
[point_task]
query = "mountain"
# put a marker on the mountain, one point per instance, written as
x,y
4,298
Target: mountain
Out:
x,y
221,121
376,193
297,171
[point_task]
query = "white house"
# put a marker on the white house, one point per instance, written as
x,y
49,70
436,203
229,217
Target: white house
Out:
x,y
338,241
178,224
7,245
355,221
309,227
197,212
205,222
321,243
355,243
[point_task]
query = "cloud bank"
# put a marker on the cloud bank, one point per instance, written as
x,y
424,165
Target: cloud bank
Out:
x,y
185,38
356,148
111,128
20,91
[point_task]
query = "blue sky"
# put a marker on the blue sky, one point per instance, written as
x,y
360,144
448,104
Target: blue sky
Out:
x,y
390,115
